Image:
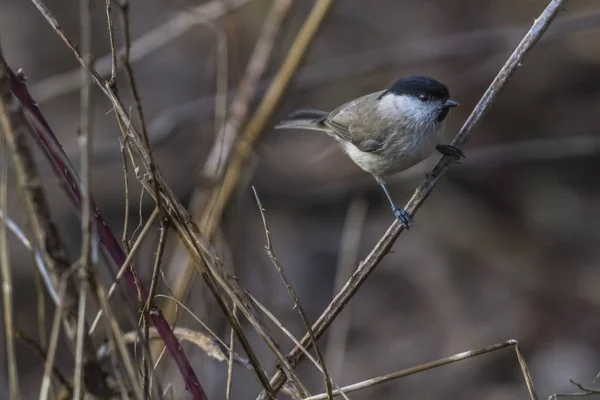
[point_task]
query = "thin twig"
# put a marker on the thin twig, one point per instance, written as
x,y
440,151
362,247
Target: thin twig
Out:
x,y
54,334
293,339
435,364
230,359
124,239
204,254
225,140
271,253
221,78
85,141
147,359
7,285
384,245
125,267
266,108
112,82
39,262
585,391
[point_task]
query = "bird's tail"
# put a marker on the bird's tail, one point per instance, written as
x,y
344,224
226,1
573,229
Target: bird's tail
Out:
x,y
304,119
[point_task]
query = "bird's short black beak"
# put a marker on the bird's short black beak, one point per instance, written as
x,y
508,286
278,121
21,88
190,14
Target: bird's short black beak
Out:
x,y
450,103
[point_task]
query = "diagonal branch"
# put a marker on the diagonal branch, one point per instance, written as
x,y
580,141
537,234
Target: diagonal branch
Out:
x,y
384,245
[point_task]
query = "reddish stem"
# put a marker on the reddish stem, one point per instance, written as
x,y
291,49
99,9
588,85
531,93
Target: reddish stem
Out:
x,y
61,165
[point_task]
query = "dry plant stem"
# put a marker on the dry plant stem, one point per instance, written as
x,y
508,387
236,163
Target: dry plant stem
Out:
x,y
112,82
202,251
385,243
147,359
143,46
85,139
138,100
271,253
37,259
292,338
43,231
61,165
125,267
7,286
261,55
266,108
54,333
230,359
124,239
42,353
224,141
585,391
258,122
439,363
221,77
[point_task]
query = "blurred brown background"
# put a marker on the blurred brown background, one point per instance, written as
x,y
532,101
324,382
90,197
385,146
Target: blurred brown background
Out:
x,y
506,246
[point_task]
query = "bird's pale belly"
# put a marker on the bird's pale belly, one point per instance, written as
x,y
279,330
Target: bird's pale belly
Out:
x,y
394,158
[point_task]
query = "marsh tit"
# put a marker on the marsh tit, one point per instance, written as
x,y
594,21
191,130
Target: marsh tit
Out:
x,y
388,131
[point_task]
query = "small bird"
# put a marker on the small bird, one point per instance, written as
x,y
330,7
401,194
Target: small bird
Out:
x,y
388,131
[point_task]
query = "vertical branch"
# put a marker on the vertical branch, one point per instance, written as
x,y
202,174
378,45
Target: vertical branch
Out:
x,y
7,287
85,139
147,358
292,292
112,82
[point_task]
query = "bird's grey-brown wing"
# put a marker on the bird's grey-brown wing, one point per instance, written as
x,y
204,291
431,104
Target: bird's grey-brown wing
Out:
x,y
354,121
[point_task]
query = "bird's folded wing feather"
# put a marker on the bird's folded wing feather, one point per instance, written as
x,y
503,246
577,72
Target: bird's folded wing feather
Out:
x,y
351,122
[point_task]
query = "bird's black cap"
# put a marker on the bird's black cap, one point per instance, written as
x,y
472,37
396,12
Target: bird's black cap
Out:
x,y
417,85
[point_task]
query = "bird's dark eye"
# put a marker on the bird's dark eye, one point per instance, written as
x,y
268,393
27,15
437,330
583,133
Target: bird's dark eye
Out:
x,y
424,97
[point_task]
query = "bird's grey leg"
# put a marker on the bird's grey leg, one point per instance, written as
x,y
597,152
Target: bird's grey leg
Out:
x,y
400,213
450,151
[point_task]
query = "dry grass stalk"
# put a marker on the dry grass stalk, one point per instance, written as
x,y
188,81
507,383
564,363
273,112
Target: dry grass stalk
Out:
x,y
438,363
271,253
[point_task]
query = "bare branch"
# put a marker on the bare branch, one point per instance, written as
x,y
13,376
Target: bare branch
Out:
x,y
435,364
85,141
292,292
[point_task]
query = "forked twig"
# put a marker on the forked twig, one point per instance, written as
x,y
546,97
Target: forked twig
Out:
x,y
292,292
426,187
293,339
585,391
438,363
